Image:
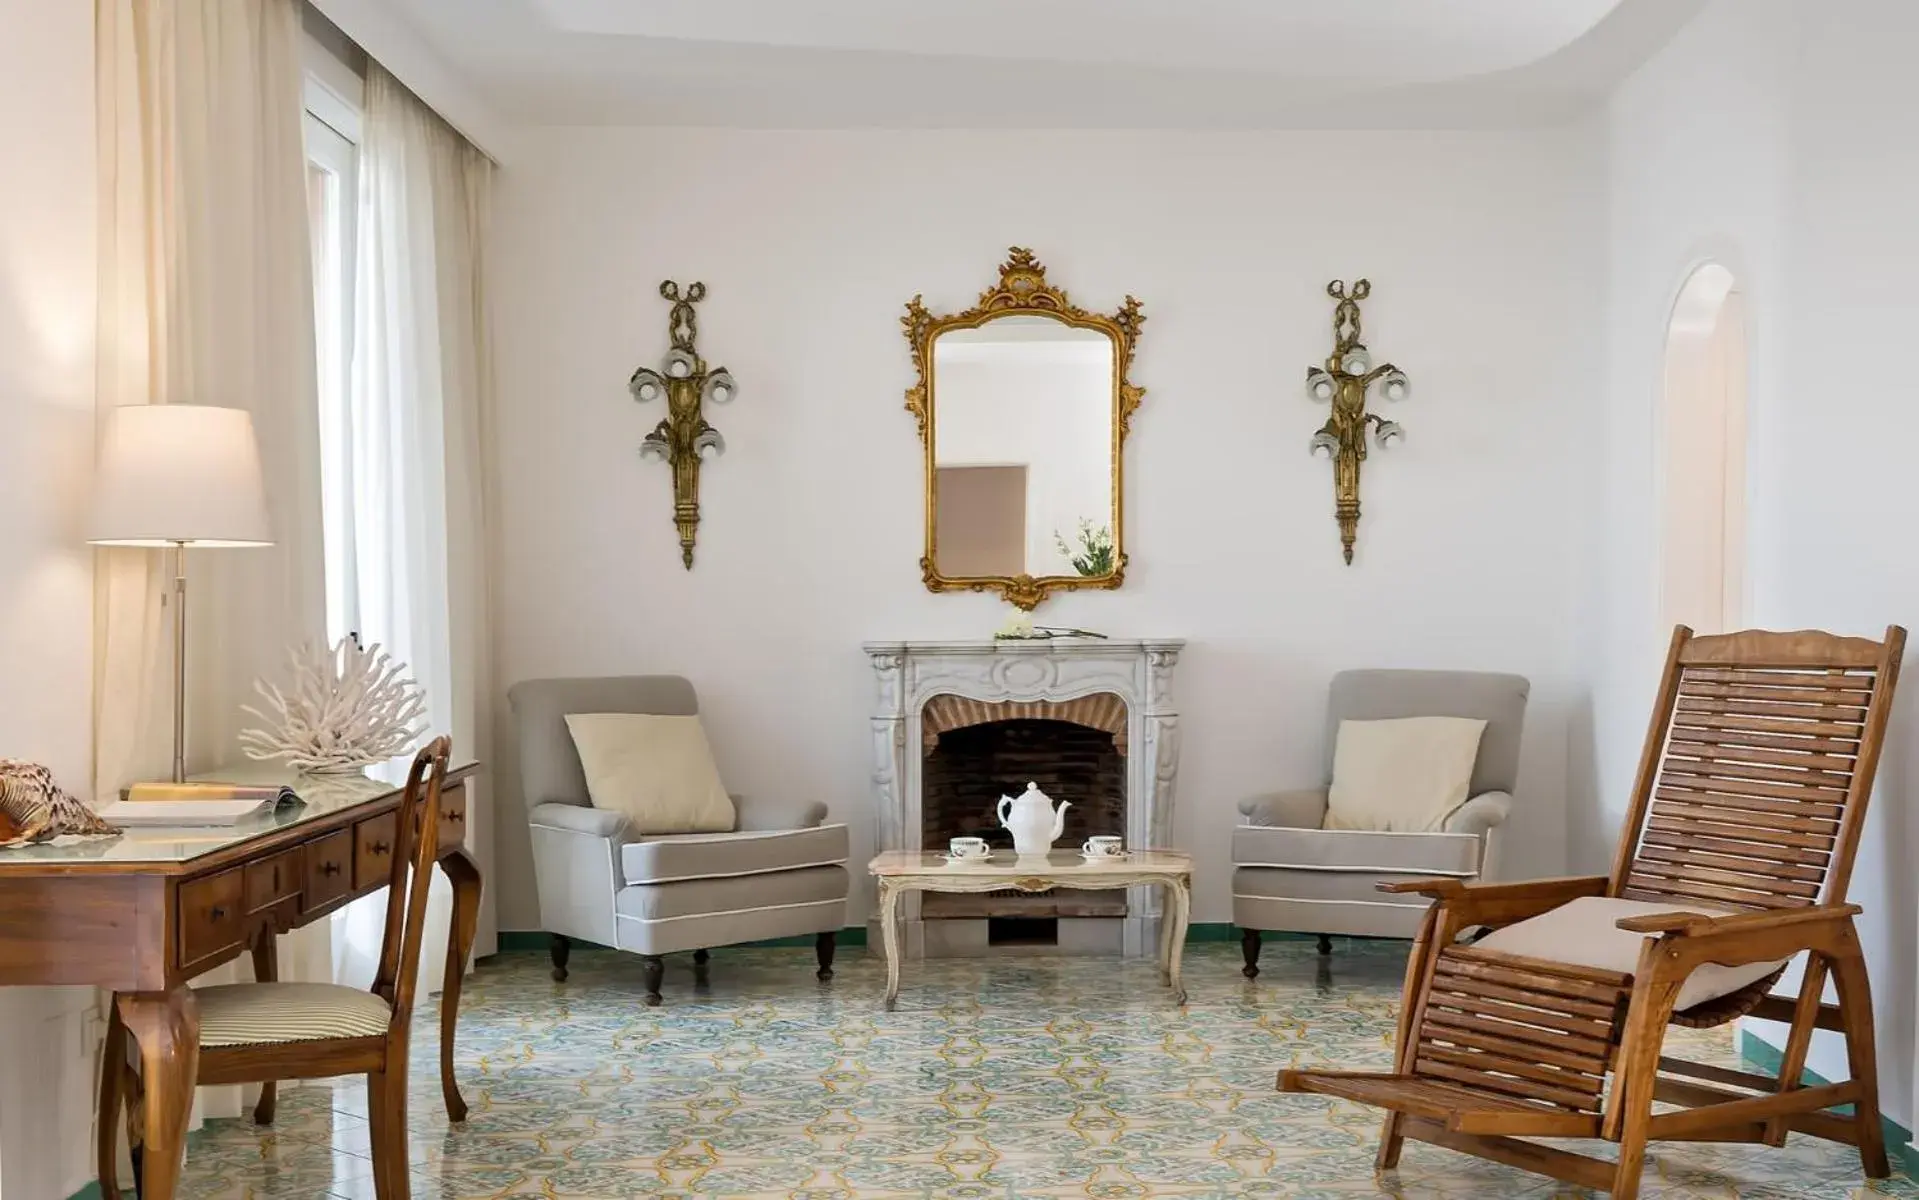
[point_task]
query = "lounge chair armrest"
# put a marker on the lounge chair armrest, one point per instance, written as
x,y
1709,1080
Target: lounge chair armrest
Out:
x,y
1559,890
1301,809
1692,924
1439,888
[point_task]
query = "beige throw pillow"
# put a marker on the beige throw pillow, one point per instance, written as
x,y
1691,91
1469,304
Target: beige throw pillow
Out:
x,y
657,771
1405,775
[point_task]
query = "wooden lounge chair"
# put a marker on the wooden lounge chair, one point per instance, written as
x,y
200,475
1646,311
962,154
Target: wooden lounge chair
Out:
x,y
1746,815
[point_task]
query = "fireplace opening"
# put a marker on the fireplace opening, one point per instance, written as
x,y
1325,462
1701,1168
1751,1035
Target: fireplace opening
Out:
x,y
969,768
1022,931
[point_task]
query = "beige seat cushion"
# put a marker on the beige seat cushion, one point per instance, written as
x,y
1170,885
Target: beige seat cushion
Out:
x,y
684,856
656,771
1405,775
254,1014
1584,933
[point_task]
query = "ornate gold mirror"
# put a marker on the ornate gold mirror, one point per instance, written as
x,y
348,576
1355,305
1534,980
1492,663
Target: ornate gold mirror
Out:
x,y
1023,405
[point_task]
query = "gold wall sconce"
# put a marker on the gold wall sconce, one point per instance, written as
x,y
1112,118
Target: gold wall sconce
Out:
x,y
683,436
1344,382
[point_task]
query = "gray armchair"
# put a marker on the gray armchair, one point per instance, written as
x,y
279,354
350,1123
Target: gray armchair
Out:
x,y
780,873
1290,874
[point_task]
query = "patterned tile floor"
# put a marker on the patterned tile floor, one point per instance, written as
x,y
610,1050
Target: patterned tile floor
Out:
x,y
1001,1079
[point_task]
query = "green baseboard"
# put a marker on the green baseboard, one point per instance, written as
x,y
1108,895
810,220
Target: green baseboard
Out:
x,y
89,1192
1769,1058
855,935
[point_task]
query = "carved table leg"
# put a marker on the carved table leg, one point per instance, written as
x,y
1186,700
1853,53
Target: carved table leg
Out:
x,y
113,1070
166,1027
1180,899
890,938
1166,936
464,874
266,969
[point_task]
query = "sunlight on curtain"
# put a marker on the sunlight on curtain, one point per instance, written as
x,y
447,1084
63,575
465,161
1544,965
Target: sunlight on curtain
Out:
x,y
419,384
206,298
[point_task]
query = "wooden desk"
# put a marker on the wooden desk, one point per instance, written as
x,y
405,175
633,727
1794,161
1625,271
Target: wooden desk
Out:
x,y
142,913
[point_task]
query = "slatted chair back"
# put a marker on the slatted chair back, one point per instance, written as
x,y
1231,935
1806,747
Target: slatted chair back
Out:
x,y
1757,768
415,849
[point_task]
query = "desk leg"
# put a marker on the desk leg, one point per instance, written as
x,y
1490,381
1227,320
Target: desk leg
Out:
x,y
166,1027
1179,899
465,876
890,938
266,969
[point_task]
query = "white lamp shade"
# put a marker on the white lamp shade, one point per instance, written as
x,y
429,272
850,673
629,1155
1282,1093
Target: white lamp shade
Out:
x,y
172,473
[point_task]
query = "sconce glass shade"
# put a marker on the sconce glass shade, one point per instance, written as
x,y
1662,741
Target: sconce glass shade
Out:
x,y
1395,386
1319,385
1388,432
1357,361
681,365
709,445
720,387
179,473
646,385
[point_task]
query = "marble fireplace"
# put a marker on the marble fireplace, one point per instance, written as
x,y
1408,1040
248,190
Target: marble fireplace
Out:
x,y
1090,720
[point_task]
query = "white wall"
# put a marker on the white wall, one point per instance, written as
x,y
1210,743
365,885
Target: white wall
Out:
x,y
1776,136
1480,251
46,590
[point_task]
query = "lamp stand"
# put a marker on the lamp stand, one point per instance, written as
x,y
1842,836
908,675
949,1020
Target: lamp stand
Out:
x,y
179,662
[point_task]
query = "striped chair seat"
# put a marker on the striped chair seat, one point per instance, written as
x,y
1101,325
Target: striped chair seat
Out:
x,y
254,1014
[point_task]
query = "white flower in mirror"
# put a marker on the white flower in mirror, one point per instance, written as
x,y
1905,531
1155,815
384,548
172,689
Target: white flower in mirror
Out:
x,y
348,707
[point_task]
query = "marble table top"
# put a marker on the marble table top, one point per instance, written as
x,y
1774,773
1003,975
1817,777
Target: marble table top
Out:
x,y
1062,863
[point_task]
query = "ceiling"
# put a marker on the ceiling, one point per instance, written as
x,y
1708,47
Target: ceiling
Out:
x,y
1061,64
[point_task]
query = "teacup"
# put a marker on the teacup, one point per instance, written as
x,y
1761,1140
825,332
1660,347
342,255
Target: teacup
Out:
x,y
1101,847
966,847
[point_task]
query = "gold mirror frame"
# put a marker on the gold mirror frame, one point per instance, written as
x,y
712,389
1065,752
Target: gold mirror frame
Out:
x,y
1023,289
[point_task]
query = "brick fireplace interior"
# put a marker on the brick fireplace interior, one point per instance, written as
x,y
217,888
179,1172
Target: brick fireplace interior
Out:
x,y
978,751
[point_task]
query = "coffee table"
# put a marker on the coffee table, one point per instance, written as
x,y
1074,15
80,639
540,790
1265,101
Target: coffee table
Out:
x,y
902,871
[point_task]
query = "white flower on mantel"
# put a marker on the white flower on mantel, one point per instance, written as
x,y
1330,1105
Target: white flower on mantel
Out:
x,y
349,707
1018,625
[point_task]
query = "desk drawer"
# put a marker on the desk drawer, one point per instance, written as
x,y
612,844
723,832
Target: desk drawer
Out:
x,y
329,871
453,816
273,879
373,851
210,917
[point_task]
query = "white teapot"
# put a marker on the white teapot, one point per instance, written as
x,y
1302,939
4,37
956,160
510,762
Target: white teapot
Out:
x,y
1033,821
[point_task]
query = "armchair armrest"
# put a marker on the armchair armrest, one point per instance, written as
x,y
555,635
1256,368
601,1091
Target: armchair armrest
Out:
x,y
1481,814
579,818
1300,809
760,816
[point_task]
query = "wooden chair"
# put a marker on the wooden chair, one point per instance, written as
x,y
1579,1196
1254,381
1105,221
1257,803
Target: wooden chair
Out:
x,y
1746,815
265,1031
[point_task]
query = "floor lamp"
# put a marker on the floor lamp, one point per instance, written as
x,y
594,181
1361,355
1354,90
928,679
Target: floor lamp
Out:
x,y
172,476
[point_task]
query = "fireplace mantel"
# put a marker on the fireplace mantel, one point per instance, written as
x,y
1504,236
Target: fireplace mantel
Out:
x,y
1139,671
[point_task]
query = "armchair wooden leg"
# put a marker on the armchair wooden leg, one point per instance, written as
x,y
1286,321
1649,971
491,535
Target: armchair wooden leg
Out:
x,y
700,959
386,1120
655,972
1249,950
823,947
1325,943
1391,1142
1855,1011
561,949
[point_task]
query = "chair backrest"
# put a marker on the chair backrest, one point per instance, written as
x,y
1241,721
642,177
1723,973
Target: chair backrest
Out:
x,y
550,770
416,845
1758,765
1498,700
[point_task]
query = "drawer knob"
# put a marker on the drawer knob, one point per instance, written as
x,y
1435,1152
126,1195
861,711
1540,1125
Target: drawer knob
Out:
x,y
216,913
380,848
456,816
331,868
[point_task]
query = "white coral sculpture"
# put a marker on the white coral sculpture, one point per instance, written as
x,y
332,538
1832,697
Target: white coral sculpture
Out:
x,y
349,707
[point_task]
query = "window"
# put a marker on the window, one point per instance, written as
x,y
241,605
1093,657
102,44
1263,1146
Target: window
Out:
x,y
332,135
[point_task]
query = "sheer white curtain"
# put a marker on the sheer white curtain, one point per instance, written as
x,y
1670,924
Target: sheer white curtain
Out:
x,y
206,297
414,437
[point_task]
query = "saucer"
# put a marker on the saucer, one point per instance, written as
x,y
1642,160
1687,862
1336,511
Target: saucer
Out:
x,y
1122,856
955,859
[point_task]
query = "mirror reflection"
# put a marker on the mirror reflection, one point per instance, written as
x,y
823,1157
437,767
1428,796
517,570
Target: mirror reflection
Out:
x,y
1024,449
